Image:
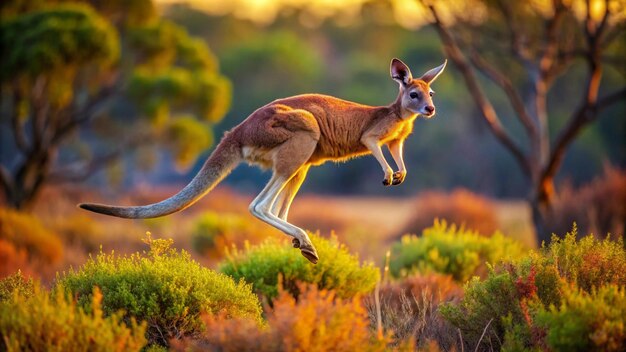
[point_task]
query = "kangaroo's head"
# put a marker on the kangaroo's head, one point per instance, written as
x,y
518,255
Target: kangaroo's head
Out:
x,y
416,96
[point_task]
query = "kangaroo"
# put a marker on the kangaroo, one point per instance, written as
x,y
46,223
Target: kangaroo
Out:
x,y
292,134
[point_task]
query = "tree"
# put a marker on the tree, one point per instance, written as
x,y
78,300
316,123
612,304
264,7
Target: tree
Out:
x,y
85,84
523,48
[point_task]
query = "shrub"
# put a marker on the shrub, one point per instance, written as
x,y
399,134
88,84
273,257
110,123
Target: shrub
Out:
x,y
79,230
409,308
42,323
451,250
568,294
214,233
263,265
598,207
587,322
13,259
163,287
25,232
462,207
317,321
588,262
16,283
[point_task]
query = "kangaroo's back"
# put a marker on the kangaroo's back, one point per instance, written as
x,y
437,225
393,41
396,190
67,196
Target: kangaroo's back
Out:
x,y
341,123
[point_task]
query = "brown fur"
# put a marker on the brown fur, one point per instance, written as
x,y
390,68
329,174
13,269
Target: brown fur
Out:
x,y
291,134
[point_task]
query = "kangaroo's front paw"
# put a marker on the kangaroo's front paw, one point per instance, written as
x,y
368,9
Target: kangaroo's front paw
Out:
x,y
388,178
398,177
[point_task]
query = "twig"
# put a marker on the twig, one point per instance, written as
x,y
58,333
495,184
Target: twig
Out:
x,y
379,319
483,335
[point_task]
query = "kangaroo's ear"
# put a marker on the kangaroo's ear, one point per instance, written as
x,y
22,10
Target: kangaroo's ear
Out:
x,y
430,76
400,72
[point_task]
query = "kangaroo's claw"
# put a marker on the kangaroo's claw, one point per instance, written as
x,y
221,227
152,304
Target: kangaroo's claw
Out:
x,y
398,178
310,254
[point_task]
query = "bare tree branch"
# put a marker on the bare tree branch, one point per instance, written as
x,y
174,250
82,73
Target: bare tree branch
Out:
x,y
519,49
81,171
584,115
551,44
505,83
18,128
5,179
488,112
85,113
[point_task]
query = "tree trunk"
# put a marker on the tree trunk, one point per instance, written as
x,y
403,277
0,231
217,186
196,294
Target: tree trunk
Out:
x,y
541,205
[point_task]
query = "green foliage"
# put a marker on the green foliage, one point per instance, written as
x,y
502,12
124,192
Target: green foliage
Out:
x,y
587,321
588,262
265,265
163,287
164,42
209,226
44,323
26,232
176,70
68,64
16,284
451,250
52,38
484,306
567,296
188,137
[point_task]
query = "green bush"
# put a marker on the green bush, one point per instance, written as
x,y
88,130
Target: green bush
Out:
x,y
163,287
567,296
44,323
16,283
337,269
451,250
588,262
209,226
587,322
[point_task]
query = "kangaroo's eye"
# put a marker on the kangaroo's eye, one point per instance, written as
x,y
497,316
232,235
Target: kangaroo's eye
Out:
x,y
432,93
413,95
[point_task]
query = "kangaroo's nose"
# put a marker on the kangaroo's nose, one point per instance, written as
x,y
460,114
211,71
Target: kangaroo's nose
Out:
x,y
429,108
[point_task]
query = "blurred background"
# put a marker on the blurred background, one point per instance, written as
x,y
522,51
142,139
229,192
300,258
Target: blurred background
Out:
x,y
122,101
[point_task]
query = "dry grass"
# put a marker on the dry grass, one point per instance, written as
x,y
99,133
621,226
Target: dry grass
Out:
x,y
409,309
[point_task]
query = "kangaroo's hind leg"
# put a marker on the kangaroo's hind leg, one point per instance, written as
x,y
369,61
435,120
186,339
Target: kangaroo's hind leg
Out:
x,y
290,158
286,196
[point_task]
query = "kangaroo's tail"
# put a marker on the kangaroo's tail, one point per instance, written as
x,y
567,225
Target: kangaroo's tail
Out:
x,y
226,156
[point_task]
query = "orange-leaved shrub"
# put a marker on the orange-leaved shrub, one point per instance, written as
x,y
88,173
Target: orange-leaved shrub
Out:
x,y
265,265
568,296
598,207
23,234
43,321
317,321
409,309
462,207
78,230
13,259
